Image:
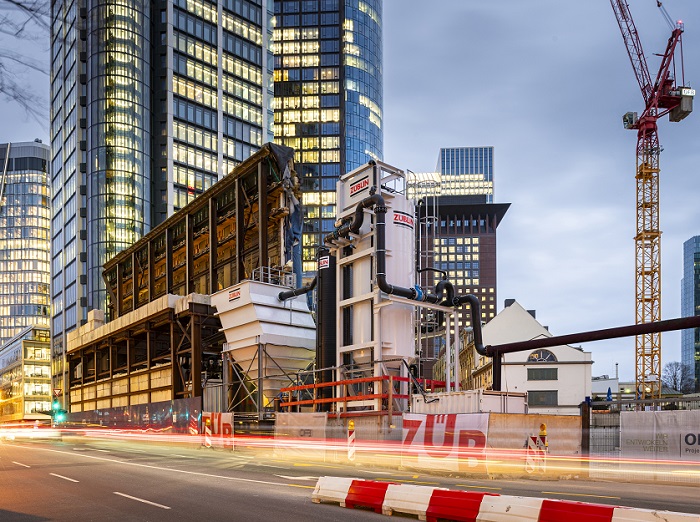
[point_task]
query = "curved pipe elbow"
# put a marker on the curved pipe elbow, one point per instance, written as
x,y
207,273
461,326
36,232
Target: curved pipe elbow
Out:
x,y
287,294
475,313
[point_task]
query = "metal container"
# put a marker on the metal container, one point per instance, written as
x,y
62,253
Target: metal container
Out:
x,y
470,401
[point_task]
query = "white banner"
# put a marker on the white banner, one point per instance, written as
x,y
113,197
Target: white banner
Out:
x,y
661,435
451,442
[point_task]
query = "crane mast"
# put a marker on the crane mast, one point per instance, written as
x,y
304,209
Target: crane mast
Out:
x,y
660,98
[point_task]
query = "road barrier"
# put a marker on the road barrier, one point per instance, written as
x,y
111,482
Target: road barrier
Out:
x,y
434,504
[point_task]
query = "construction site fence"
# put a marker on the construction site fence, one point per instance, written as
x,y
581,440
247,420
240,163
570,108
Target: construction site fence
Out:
x,y
386,388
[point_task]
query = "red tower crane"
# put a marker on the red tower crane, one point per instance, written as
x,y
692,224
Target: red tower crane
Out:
x,y
660,98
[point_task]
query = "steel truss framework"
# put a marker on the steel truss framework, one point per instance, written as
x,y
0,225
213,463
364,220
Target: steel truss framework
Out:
x,y
214,242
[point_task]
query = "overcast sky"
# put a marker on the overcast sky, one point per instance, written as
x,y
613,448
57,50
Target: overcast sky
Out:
x,y
546,83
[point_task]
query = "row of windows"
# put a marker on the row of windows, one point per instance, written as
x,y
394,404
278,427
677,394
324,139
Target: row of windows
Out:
x,y
199,50
194,113
241,69
242,110
202,9
195,92
242,131
326,142
306,116
242,28
233,85
295,75
288,34
293,20
314,156
240,47
306,102
23,164
293,6
194,157
308,88
196,27
192,179
307,129
25,276
245,9
188,67
194,136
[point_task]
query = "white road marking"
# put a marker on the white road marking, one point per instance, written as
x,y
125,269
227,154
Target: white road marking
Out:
x,y
160,468
297,478
20,464
183,456
141,500
103,451
64,478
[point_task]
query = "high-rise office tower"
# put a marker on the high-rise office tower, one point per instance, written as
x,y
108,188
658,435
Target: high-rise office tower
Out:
x,y
457,230
25,220
690,306
466,171
152,102
328,98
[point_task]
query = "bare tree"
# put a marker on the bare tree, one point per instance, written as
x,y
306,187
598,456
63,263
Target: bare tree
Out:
x,y
679,377
22,21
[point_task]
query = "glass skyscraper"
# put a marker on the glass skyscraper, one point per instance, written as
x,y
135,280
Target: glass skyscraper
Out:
x,y
152,102
690,306
24,238
328,99
466,171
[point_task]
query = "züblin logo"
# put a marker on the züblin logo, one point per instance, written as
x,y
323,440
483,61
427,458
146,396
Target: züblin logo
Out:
x,y
234,294
403,219
361,185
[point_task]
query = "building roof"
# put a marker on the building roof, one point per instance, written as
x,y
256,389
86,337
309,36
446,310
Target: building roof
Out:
x,y
514,323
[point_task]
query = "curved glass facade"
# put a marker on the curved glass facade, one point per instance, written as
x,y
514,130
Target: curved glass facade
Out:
x,y
118,137
328,98
25,221
362,60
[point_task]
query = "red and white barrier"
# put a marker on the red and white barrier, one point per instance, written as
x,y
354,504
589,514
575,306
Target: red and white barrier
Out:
x,y
434,504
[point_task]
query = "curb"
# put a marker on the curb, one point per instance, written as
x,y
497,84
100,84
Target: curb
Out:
x,y
433,504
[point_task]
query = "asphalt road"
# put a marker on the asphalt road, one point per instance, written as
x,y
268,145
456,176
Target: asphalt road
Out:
x,y
78,480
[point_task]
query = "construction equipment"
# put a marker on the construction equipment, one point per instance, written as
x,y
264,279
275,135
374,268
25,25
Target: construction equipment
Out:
x,y
660,98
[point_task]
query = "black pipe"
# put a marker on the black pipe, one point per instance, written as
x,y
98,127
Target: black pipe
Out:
x,y
286,294
326,315
409,293
582,337
475,312
357,220
681,323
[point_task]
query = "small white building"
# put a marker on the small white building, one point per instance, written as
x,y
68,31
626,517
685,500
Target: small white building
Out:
x,y
557,379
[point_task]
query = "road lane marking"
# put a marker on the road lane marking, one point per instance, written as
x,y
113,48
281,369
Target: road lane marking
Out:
x,y
301,486
103,451
474,486
296,478
141,500
160,468
577,494
20,464
64,478
183,456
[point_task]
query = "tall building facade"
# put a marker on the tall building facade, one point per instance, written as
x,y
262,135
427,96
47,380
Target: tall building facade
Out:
x,y
457,223
25,220
152,102
466,171
690,306
328,99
